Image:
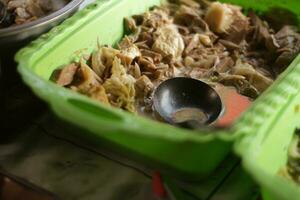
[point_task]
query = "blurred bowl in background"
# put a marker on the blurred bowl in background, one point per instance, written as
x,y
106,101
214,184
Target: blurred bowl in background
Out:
x,y
14,37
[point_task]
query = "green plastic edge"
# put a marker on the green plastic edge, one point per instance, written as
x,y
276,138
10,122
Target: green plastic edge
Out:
x,y
285,89
274,187
251,147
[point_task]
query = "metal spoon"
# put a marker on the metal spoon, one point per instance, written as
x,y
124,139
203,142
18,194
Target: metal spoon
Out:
x,y
187,102
191,103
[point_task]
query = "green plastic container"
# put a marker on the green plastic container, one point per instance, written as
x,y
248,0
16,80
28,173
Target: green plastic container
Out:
x,y
266,153
187,153
264,150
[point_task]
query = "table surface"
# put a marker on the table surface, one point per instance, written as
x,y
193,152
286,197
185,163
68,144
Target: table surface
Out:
x,y
37,147
49,155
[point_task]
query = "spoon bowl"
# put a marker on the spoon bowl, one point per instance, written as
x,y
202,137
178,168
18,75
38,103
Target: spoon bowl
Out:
x,y
187,102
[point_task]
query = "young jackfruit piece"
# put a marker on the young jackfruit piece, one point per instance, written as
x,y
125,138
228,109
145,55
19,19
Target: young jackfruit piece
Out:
x,y
128,51
143,86
65,76
205,39
255,78
103,58
88,77
190,3
120,87
98,93
228,21
219,17
168,42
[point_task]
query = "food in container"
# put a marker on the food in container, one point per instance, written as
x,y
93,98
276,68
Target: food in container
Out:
x,y
213,42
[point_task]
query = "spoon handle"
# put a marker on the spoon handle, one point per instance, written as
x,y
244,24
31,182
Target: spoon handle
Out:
x,y
234,105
